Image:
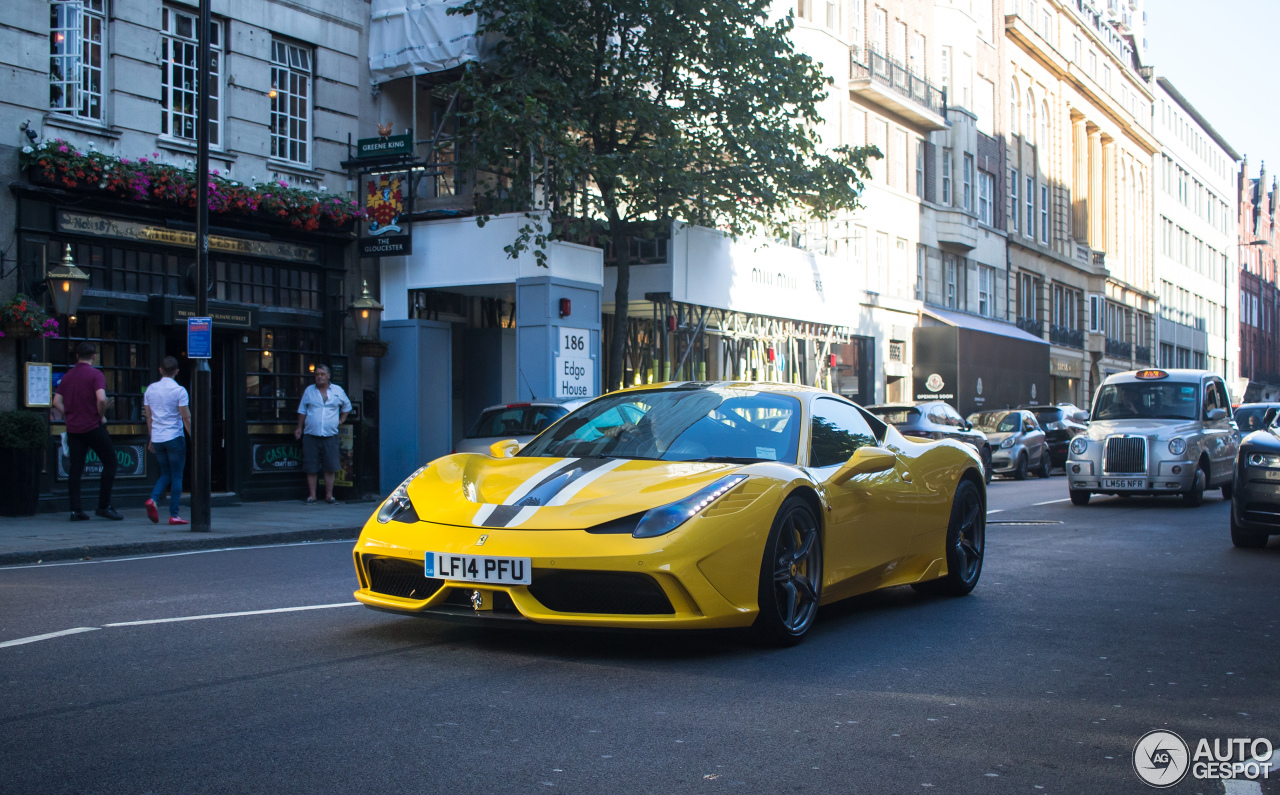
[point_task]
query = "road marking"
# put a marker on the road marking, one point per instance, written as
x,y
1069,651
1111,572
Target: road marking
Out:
x,y
172,554
997,510
1051,502
47,636
227,615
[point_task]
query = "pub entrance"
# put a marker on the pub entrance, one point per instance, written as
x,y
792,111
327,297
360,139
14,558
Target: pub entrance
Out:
x,y
224,432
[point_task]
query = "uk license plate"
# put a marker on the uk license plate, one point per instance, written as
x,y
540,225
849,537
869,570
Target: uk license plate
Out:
x,y
478,568
1123,483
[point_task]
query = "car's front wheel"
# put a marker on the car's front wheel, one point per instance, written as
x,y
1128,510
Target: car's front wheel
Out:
x,y
986,464
1194,496
966,544
790,576
1228,489
1245,539
1079,496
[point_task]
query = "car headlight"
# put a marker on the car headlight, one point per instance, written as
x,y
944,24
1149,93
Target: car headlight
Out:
x,y
1079,445
1007,443
664,519
398,502
1177,446
1264,460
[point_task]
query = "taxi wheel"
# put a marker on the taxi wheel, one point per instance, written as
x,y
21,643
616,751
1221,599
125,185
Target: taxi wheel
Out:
x,y
1020,470
966,544
790,576
1079,496
1245,539
1194,497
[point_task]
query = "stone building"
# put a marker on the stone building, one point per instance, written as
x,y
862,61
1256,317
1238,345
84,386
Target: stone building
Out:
x,y
104,94
1259,296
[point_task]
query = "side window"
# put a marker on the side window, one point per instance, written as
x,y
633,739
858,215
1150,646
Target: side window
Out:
x,y
953,417
1029,423
937,416
838,429
1210,397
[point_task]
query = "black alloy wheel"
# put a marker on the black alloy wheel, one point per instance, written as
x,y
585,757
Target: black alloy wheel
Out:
x,y
966,544
1194,497
790,576
986,463
1020,470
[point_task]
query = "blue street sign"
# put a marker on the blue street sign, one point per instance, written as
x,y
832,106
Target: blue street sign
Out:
x,y
199,338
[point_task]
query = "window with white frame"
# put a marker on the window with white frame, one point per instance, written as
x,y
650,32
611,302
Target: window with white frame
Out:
x,y
1028,117
1044,213
880,262
77,57
1013,107
1013,195
986,190
986,290
179,65
920,168
946,177
290,102
921,263
900,159
901,275
1030,228
968,182
944,69
949,276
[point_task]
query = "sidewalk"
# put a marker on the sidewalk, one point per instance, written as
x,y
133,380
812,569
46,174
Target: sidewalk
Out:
x,y
51,536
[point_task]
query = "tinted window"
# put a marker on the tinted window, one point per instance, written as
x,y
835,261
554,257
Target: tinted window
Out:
x,y
1046,416
953,417
1251,418
515,421
896,416
1158,400
838,429
995,421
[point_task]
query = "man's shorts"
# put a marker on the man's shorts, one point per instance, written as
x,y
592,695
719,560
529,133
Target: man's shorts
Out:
x,y
319,453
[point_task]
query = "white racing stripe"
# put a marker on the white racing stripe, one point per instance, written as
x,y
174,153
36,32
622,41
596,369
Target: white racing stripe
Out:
x,y
228,615
576,486
523,516
1051,502
47,636
524,488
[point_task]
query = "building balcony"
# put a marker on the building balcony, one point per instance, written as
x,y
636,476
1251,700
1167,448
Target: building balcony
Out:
x,y
1142,354
895,88
1119,349
1066,336
957,229
1033,327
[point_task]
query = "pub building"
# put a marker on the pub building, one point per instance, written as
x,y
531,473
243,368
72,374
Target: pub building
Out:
x,y
276,299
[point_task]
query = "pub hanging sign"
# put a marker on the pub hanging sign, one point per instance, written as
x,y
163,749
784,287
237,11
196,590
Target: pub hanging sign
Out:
x,y
385,230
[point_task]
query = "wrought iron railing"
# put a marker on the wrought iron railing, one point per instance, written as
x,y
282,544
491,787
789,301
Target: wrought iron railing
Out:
x,y
865,62
1031,326
1067,336
1142,353
1119,349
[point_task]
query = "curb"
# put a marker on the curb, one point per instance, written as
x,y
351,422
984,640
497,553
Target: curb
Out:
x,y
210,541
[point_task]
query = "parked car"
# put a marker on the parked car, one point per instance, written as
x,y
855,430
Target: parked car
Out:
x,y
935,420
1018,443
1061,424
1156,432
518,421
1252,417
1255,490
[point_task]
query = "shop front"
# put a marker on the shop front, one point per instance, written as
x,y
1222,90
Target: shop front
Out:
x,y
272,325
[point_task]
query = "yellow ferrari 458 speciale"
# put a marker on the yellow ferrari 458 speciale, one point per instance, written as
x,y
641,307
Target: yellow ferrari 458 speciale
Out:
x,y
681,505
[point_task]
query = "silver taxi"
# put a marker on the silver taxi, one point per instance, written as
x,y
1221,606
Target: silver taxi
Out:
x,y
1156,432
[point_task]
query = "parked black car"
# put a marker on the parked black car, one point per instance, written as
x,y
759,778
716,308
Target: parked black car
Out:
x,y
1061,424
935,420
1252,417
1255,489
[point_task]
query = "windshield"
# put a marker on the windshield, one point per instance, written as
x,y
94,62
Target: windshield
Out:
x,y
515,421
1166,400
895,415
996,421
1252,419
678,425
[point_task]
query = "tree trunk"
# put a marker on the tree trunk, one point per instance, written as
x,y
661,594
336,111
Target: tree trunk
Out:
x,y
621,296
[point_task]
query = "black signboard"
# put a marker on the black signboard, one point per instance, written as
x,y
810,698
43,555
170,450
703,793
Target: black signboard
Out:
x,y
130,463
279,457
385,229
167,311
978,371
386,146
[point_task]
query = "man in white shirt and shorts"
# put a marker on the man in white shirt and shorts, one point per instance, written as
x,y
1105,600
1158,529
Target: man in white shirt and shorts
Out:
x,y
323,408
168,412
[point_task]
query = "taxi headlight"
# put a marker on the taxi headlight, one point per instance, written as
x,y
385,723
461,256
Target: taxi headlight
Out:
x,y
1079,445
1264,460
665,518
398,502
1007,443
1177,446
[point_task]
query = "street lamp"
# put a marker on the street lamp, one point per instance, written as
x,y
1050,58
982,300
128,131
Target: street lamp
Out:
x,y
66,285
366,314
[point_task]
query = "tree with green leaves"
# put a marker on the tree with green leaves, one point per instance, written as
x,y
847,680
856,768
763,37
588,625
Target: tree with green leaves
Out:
x,y
616,114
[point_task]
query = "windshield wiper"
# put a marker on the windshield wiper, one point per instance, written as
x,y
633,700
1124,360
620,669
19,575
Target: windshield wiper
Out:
x,y
730,459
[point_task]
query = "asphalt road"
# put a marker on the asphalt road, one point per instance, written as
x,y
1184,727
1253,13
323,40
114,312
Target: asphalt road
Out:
x,y
1090,627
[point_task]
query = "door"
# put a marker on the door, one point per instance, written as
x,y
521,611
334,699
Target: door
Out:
x,y
1033,437
870,525
1220,438
222,431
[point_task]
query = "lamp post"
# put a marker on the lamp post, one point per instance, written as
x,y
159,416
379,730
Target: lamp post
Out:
x,y
66,285
202,394
366,314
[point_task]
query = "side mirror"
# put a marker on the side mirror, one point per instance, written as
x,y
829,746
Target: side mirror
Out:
x,y
863,461
1215,415
1082,416
504,449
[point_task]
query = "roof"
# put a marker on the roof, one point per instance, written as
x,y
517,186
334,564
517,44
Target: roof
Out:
x,y
975,323
1195,114
1131,376
758,386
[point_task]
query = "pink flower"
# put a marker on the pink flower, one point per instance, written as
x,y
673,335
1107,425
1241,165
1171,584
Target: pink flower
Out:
x,y
63,149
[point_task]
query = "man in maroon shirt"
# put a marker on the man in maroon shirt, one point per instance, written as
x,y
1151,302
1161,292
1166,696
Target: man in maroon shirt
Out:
x,y
82,399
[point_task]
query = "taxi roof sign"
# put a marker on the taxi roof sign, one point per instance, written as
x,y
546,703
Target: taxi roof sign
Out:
x,y
1151,374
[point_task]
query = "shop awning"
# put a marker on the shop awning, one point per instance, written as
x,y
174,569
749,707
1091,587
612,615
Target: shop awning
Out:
x,y
975,323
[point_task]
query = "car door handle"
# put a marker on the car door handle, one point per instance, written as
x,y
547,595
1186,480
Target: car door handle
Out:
x,y
906,475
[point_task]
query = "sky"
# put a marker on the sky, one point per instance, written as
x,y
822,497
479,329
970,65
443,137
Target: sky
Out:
x,y
1219,56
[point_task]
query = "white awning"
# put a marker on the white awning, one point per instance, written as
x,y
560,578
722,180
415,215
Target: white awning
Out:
x,y
975,323
419,38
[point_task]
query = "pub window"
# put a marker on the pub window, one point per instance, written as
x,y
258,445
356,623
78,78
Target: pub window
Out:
x,y
290,102
278,366
178,75
77,54
123,357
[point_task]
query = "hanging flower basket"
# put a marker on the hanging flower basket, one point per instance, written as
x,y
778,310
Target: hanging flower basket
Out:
x,y
372,349
23,318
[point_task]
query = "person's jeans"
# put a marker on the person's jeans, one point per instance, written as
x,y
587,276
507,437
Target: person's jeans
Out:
x,y
172,456
79,445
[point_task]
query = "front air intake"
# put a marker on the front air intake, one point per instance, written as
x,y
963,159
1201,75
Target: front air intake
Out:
x,y
399,577
601,592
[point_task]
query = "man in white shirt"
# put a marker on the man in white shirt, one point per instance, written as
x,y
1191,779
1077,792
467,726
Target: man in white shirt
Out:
x,y
323,408
168,412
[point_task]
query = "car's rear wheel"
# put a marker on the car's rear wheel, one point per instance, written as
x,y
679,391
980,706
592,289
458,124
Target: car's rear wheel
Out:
x,y
1020,469
1194,496
986,464
790,576
966,544
1079,496
1245,539
1044,465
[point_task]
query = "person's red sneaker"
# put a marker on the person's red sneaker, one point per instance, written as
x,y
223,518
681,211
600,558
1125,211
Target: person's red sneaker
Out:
x,y
152,513
177,520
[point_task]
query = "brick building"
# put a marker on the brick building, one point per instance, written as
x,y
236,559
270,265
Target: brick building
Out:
x,y
1259,295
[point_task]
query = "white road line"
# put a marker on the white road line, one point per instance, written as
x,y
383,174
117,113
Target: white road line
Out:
x,y
997,510
228,615
1237,787
171,554
1051,502
47,635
